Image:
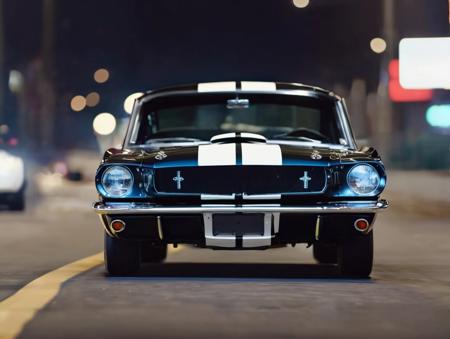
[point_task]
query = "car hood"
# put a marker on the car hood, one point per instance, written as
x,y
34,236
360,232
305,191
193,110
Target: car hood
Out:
x,y
224,154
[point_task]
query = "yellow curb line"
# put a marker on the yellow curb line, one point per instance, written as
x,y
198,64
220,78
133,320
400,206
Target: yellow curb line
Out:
x,y
20,308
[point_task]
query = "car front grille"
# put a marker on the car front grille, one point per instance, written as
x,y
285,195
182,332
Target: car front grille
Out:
x,y
241,179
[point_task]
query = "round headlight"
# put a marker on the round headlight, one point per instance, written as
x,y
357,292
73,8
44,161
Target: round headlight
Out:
x,y
117,181
363,179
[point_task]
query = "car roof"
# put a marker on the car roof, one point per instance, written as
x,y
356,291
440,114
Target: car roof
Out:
x,y
254,86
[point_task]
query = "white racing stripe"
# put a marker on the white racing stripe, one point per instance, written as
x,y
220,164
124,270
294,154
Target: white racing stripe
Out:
x,y
253,136
223,86
261,154
258,86
260,240
217,155
223,136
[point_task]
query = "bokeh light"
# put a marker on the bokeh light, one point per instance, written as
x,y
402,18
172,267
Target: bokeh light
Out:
x,y
101,75
300,3
104,124
92,99
78,103
15,81
129,102
438,116
378,45
4,129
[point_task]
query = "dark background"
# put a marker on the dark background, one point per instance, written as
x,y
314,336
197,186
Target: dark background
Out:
x,y
148,44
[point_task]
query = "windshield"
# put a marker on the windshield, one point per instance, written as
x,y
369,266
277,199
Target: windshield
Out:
x,y
200,117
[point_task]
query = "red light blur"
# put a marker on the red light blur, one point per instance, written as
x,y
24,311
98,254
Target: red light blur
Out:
x,y
398,94
13,142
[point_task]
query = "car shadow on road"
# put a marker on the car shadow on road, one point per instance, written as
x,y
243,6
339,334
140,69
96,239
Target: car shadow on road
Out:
x,y
243,270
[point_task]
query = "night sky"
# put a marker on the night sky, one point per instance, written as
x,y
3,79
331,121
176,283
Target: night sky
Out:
x,y
147,44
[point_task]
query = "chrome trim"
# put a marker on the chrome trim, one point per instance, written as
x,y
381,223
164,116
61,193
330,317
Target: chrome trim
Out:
x,y
345,122
307,91
261,196
276,222
317,232
105,225
146,208
135,128
119,221
369,228
217,196
160,231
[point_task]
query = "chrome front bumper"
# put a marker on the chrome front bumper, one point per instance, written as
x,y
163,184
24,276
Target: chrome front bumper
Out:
x,y
111,208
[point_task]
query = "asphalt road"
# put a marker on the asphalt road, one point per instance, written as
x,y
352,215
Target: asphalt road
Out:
x,y
280,293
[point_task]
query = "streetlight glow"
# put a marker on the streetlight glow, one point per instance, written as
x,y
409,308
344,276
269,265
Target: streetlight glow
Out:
x,y
78,103
101,75
4,129
104,124
129,102
378,45
300,3
15,81
92,99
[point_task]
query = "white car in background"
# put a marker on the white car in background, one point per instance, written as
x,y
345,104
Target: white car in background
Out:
x,y
12,181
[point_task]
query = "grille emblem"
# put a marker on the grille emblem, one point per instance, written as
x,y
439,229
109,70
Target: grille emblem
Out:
x,y
160,155
305,180
316,155
178,179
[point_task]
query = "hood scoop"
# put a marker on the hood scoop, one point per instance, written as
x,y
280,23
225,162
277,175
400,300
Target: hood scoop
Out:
x,y
238,137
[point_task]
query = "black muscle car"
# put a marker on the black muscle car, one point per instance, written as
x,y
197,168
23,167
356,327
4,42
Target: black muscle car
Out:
x,y
240,165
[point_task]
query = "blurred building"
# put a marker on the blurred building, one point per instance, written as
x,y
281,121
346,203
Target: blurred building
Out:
x,y
58,45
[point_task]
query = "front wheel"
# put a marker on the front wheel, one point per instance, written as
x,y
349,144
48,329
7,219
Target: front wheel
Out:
x,y
122,257
325,253
153,253
355,255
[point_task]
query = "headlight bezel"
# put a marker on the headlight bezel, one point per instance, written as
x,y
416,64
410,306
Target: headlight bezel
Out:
x,y
130,186
374,191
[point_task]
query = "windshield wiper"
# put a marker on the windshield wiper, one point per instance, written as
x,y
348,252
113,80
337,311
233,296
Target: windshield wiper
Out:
x,y
171,139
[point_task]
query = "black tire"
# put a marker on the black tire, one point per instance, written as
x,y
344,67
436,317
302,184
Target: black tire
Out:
x,y
325,253
18,203
153,253
355,255
122,257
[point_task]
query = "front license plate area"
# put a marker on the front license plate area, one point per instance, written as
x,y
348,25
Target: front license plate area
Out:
x,y
238,224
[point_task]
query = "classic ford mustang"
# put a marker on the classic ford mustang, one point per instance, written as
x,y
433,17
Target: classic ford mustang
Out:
x,y
240,165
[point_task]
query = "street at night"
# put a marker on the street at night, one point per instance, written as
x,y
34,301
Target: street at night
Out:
x,y
269,294
224,169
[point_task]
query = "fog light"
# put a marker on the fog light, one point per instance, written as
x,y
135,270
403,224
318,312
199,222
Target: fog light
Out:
x,y
117,225
361,225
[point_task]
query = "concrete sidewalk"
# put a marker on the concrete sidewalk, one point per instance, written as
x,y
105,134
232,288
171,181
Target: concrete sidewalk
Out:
x,y
423,192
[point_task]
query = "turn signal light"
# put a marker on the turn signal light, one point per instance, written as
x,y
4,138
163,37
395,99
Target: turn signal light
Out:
x,y
117,225
362,225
